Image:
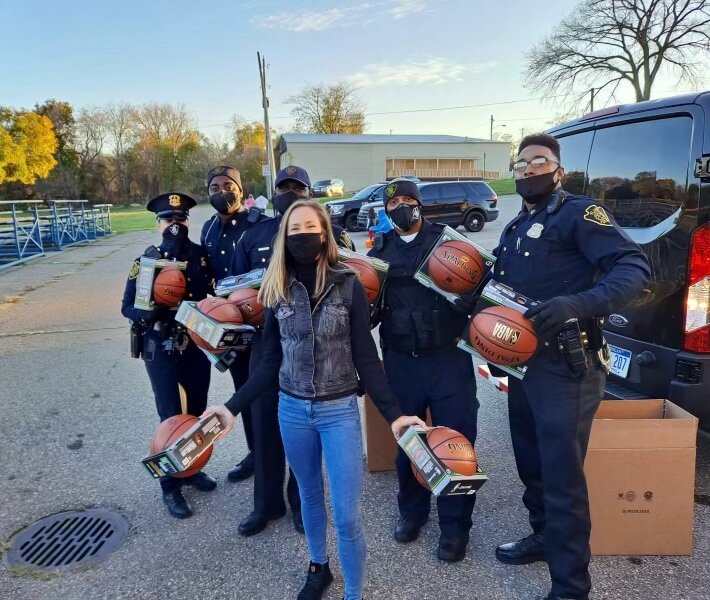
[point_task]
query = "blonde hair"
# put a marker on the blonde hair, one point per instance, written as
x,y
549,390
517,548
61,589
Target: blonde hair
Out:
x,y
274,286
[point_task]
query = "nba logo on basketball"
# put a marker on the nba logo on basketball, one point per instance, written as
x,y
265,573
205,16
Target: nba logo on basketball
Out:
x,y
505,333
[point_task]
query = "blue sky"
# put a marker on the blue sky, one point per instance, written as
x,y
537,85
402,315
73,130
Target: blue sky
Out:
x,y
403,55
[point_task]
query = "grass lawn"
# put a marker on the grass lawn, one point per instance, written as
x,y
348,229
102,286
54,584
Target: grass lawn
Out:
x,y
502,186
131,218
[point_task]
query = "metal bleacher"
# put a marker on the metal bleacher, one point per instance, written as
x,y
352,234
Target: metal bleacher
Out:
x,y
31,228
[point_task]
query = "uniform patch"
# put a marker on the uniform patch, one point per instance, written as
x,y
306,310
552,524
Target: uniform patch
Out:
x,y
174,200
290,170
535,230
135,268
596,214
391,189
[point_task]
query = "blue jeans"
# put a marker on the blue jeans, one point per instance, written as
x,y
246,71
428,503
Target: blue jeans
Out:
x,y
329,428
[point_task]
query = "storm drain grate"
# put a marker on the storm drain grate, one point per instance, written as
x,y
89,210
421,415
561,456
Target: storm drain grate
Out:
x,y
68,538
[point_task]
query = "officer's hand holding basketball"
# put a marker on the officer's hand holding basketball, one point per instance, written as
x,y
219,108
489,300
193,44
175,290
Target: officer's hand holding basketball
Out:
x,y
550,316
223,414
403,422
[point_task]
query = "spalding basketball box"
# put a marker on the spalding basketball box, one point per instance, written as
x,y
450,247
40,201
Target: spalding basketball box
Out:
x,y
454,266
351,259
148,270
441,481
216,334
252,279
179,455
497,294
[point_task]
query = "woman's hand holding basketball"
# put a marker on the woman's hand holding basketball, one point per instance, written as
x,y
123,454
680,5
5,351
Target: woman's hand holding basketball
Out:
x,y
405,421
225,417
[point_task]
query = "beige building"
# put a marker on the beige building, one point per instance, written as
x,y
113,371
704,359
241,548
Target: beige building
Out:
x,y
360,160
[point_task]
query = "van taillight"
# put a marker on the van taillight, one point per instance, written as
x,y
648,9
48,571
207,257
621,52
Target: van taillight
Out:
x,y
696,333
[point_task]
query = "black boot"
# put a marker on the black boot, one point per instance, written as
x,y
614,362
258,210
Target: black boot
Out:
x,y
452,549
552,596
243,470
255,523
201,481
406,530
528,550
319,578
177,505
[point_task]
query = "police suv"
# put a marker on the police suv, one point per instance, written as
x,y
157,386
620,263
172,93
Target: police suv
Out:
x,y
649,163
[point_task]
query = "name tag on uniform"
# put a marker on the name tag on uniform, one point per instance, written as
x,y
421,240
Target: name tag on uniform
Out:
x,y
264,248
535,230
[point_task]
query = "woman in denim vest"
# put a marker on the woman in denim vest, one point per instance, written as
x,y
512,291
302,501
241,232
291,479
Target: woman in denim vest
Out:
x,y
317,340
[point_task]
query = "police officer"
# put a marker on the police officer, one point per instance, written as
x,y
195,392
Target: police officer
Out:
x,y
569,253
253,252
219,237
177,369
418,335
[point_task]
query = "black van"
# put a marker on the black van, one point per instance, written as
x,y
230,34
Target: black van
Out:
x,y
649,163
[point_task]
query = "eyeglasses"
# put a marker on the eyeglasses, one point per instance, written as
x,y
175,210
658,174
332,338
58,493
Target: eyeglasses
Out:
x,y
536,163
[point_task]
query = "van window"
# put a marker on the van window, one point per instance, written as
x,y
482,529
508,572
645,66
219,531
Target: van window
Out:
x,y
453,191
640,170
430,193
575,156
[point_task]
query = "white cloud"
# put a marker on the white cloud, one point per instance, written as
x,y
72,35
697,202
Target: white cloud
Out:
x,y
402,8
433,71
309,20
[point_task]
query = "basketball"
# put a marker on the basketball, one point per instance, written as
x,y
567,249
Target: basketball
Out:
x,y
169,286
453,450
219,309
418,477
367,275
245,300
170,430
455,266
503,336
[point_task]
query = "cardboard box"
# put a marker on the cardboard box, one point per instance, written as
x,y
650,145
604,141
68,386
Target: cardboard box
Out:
x,y
422,273
252,279
442,481
497,294
380,266
640,470
148,269
186,449
216,334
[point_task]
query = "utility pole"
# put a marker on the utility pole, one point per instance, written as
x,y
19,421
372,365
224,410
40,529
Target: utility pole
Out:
x,y
491,128
591,101
267,129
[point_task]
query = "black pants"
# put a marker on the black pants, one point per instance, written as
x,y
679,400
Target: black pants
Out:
x,y
171,372
551,416
239,370
445,383
269,456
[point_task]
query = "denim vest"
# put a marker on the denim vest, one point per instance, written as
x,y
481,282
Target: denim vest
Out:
x,y
317,357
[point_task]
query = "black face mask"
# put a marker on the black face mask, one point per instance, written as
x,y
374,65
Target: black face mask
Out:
x,y
304,247
405,216
174,238
225,202
536,188
281,202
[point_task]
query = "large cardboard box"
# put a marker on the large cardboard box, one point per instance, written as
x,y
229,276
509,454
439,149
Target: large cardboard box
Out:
x,y
640,470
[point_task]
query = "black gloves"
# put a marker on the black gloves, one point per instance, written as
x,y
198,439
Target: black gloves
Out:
x,y
550,316
466,304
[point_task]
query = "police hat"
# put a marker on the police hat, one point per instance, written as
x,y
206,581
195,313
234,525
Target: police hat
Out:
x,y
292,172
230,172
171,205
402,187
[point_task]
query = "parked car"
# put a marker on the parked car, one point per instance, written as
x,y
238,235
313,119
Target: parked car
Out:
x,y
344,212
328,187
468,203
649,164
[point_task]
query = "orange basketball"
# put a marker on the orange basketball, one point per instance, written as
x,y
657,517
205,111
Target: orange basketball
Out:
x,y
169,286
245,300
170,430
367,275
418,477
453,450
219,309
502,335
455,266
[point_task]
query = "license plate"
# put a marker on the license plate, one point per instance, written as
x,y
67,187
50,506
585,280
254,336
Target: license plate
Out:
x,y
620,361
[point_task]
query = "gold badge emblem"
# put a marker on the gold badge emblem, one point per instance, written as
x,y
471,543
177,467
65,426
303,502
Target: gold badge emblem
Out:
x,y
290,170
174,200
135,268
596,214
391,189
